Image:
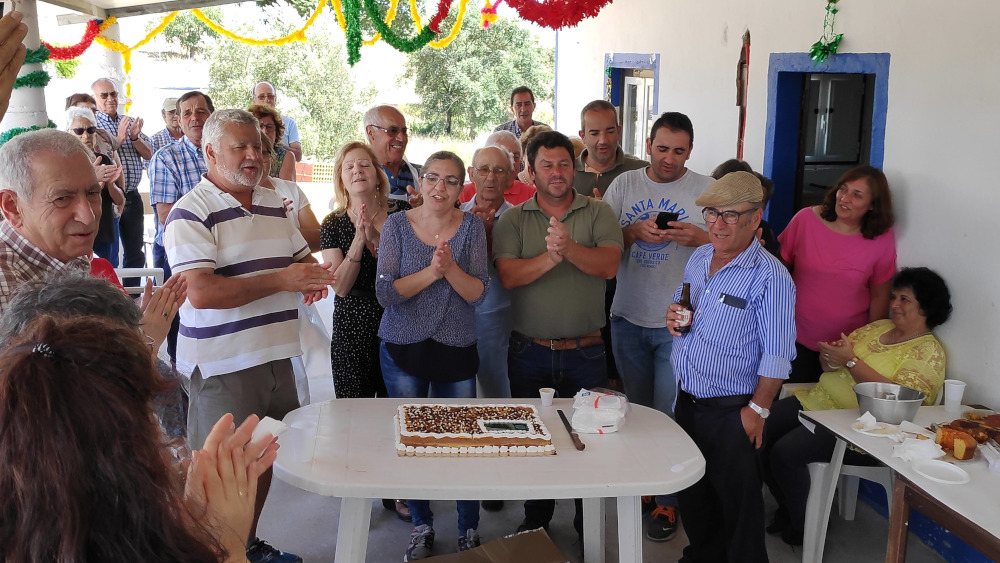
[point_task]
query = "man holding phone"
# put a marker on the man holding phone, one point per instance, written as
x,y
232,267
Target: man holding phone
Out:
x,y
661,226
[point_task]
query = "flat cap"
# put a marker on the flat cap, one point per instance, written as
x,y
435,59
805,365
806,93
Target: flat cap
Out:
x,y
733,188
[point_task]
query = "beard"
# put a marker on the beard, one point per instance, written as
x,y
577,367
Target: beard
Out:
x,y
245,179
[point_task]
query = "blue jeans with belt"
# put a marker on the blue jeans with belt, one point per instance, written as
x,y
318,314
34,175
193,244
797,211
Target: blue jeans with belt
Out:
x,y
401,384
532,366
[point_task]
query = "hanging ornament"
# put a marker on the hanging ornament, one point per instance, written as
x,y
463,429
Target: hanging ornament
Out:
x,y
488,14
828,43
557,14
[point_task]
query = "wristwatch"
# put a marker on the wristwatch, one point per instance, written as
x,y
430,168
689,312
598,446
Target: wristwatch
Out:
x,y
761,411
852,362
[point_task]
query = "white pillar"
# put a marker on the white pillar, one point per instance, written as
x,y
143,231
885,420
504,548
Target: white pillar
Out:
x,y
112,64
27,105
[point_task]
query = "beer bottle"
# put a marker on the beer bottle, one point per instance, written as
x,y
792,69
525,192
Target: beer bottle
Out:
x,y
688,312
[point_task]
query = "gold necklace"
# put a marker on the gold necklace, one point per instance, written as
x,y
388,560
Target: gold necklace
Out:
x,y
901,340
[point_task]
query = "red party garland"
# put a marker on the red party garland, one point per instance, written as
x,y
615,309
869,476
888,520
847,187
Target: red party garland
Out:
x,y
557,14
74,51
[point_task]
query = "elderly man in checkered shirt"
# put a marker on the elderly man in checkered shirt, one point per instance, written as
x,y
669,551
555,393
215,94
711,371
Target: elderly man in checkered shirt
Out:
x,y
133,147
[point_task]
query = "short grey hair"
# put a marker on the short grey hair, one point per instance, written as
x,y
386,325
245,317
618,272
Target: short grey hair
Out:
x,y
495,137
504,150
105,79
17,154
215,125
74,112
372,117
67,294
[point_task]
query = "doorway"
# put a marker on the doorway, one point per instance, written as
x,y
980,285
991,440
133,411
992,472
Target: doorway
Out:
x,y
631,84
821,121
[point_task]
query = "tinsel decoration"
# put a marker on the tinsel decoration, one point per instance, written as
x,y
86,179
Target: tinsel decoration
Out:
x,y
557,14
94,27
488,14
11,133
352,15
37,56
828,43
37,79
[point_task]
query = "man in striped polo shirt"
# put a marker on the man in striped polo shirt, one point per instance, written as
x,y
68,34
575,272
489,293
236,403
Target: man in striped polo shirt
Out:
x,y
244,264
729,368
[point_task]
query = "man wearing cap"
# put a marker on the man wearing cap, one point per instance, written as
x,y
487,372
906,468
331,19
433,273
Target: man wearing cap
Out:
x,y
172,130
728,368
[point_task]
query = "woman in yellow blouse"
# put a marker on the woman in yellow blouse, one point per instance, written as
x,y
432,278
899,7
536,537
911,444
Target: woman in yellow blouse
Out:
x,y
899,350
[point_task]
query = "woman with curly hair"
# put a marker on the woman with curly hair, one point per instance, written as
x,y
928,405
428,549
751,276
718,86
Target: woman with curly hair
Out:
x,y
282,160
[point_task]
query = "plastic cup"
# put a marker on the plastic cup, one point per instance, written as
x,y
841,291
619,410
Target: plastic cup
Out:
x,y
301,438
953,391
547,394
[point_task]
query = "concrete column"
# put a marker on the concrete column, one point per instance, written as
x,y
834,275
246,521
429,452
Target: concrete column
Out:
x,y
113,64
27,105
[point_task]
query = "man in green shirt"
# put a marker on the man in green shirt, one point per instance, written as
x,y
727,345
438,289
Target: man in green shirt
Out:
x,y
554,252
603,159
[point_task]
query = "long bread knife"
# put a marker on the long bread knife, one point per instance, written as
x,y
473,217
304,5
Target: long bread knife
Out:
x,y
572,433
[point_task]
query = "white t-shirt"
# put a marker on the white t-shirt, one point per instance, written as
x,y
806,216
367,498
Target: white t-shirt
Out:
x,y
293,193
649,274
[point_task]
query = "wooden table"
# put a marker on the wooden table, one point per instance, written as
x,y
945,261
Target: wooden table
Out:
x,y
355,458
970,511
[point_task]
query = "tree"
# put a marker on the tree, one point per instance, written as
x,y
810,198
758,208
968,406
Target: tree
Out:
x,y
464,88
188,32
313,84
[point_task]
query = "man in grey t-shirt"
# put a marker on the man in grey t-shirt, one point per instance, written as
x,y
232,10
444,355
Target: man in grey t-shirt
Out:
x,y
651,268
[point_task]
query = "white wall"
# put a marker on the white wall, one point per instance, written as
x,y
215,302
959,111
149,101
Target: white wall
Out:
x,y
941,127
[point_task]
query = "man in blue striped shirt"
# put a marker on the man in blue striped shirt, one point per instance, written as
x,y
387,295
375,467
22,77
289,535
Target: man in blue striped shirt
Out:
x,y
729,368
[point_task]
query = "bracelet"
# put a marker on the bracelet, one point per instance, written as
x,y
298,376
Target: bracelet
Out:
x,y
133,140
352,260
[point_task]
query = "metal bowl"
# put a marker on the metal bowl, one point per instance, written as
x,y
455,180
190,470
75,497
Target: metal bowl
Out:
x,y
888,402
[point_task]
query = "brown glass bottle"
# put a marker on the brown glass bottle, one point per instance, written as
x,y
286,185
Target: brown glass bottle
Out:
x,y
685,302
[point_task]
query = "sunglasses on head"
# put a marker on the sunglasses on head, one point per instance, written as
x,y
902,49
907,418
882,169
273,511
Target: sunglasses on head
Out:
x,y
81,130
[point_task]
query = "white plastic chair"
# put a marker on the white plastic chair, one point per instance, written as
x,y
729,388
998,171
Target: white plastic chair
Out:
x,y
814,530
155,273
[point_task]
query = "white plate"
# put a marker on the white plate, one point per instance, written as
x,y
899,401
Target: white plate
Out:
x,y
941,471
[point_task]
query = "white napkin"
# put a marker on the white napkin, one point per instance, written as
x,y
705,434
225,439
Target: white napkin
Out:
x,y
913,449
867,421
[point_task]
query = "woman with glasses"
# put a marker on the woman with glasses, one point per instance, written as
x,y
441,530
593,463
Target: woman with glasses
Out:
x,y
282,161
432,273
82,123
842,255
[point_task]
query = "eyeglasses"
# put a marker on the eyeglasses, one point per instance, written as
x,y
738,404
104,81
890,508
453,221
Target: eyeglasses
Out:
x,y
106,95
267,97
484,171
81,130
712,215
392,131
269,127
450,181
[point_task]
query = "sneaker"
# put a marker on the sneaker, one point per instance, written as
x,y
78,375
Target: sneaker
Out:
x,y
262,552
663,523
421,543
492,505
469,540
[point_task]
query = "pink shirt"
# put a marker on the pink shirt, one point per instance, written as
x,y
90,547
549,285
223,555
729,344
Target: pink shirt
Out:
x,y
833,275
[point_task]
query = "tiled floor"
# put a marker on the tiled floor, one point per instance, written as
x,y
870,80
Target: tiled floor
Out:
x,y
306,524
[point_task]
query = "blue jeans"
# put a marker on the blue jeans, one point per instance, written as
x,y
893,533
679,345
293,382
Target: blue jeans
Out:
x,y
643,358
109,250
532,366
160,260
493,335
401,384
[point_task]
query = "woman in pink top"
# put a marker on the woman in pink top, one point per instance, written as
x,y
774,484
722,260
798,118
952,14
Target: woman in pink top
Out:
x,y
842,256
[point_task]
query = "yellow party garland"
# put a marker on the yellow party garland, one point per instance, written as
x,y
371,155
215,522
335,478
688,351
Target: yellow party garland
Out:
x,y
455,29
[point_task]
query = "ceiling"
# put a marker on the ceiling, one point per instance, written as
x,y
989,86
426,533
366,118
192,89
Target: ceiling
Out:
x,y
89,9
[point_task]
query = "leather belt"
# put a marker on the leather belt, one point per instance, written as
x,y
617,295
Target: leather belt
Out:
x,y
590,339
726,402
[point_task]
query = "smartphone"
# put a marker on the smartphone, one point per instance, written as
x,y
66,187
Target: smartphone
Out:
x,y
665,217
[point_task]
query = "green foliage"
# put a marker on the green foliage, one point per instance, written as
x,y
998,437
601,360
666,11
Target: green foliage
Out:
x,y
313,84
66,69
464,88
187,32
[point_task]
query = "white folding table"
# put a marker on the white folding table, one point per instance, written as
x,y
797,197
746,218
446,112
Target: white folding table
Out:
x,y
355,458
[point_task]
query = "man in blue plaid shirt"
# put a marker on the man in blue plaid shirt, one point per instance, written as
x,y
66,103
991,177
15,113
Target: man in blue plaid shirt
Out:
x,y
177,168
133,147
